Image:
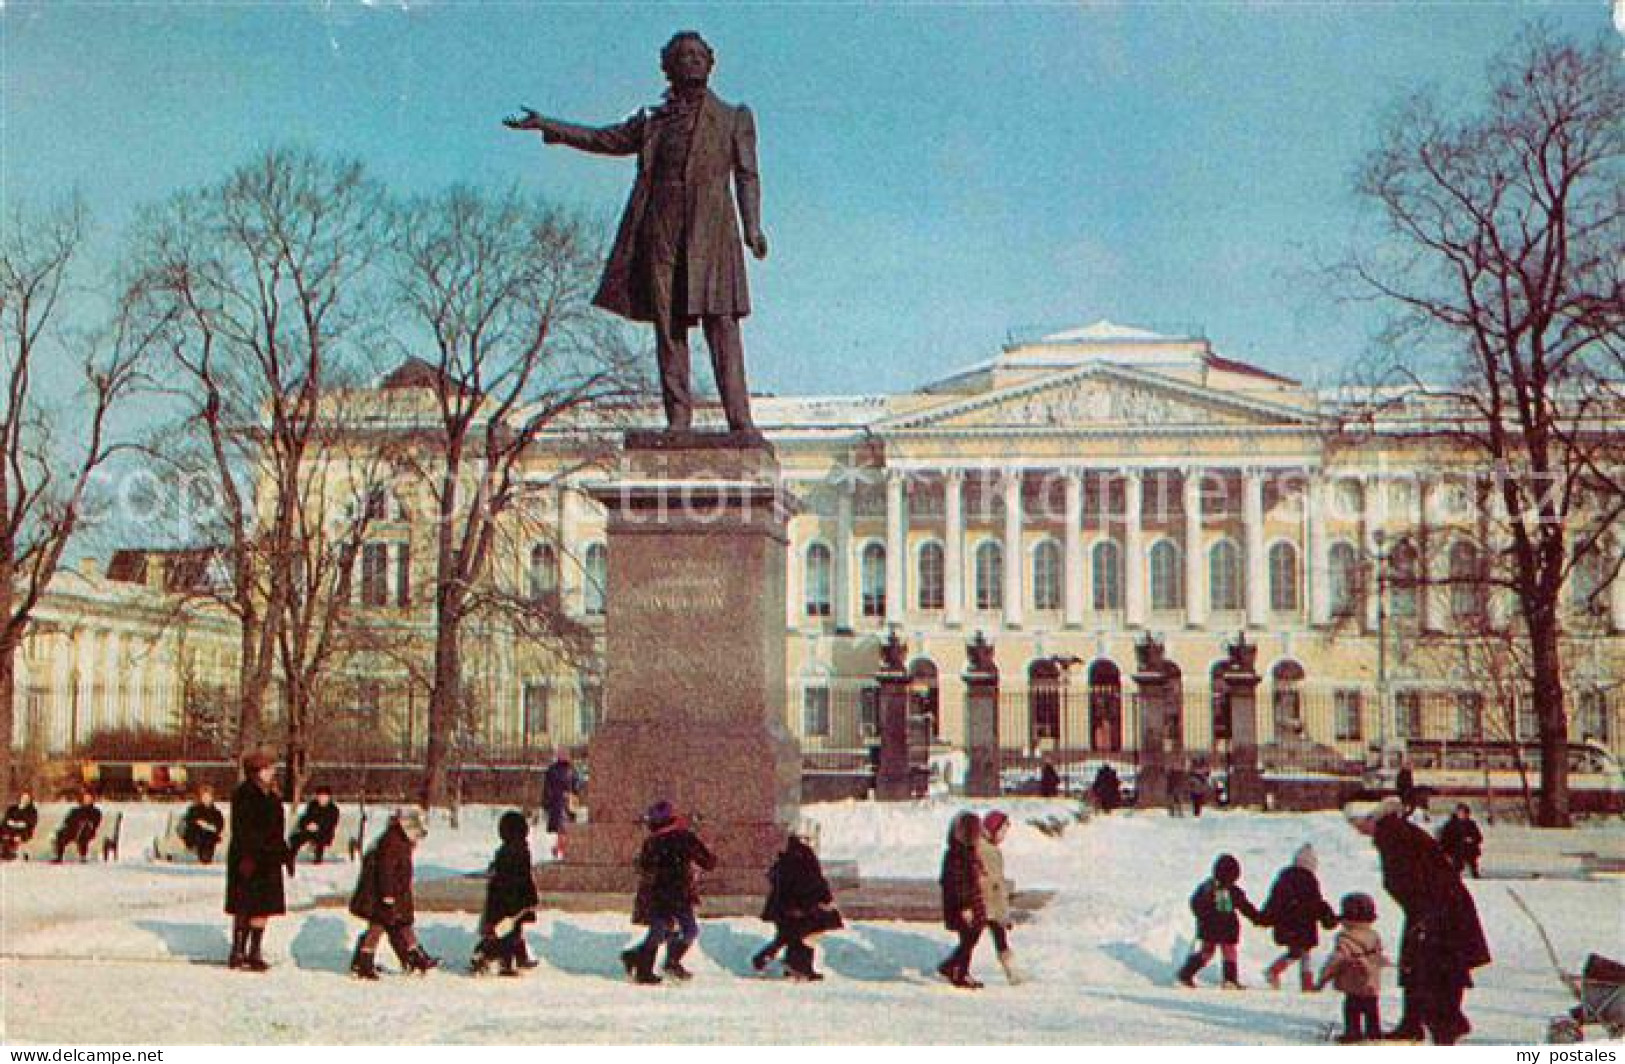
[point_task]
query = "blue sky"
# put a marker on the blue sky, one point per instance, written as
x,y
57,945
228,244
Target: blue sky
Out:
x,y
934,176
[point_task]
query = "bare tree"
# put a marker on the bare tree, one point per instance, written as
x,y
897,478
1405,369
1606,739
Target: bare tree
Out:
x,y
46,482
263,281
1499,252
494,290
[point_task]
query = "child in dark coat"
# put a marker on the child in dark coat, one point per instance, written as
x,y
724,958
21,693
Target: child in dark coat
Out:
x,y
383,898
1355,968
22,818
964,908
202,825
1296,910
667,894
510,901
799,905
1462,841
1216,905
317,825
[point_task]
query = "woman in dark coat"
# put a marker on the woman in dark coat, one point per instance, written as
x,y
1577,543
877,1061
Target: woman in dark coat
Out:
x,y
1443,940
1218,905
964,909
799,904
22,819
510,901
383,898
1297,910
255,859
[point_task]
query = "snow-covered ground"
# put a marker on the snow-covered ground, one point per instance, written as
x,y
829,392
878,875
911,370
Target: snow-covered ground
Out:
x,y
129,953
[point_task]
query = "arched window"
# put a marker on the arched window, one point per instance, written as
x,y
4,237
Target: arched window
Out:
x,y
597,566
1404,579
1344,573
930,583
817,585
989,576
1105,706
1167,576
872,575
1225,591
544,573
1047,576
1284,578
1467,590
1287,680
1106,561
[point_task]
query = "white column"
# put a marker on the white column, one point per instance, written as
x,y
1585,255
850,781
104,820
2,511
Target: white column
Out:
x,y
1133,551
953,548
571,584
896,544
1499,564
1374,506
797,568
842,574
1014,559
1252,519
1316,562
1195,571
1073,592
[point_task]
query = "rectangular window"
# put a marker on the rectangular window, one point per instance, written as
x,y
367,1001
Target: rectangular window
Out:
x,y
869,711
1594,716
375,574
538,693
815,711
1469,716
403,574
1349,706
1408,709
591,707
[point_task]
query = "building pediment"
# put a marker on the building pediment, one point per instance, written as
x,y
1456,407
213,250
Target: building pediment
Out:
x,y
1100,396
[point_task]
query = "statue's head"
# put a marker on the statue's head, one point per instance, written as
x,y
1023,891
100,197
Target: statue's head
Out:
x,y
687,58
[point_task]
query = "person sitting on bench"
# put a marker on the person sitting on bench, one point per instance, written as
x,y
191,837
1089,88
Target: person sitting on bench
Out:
x,y
202,826
79,827
316,827
18,827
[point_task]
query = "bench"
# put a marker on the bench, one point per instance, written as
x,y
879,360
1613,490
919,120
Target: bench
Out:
x,y
103,845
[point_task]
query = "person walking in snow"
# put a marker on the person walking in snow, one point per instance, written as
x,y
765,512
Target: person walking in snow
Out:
x,y
383,898
317,825
255,859
1198,788
995,889
799,905
561,783
1295,910
964,906
510,901
202,825
1218,904
1355,969
79,827
19,825
1443,940
1462,841
667,894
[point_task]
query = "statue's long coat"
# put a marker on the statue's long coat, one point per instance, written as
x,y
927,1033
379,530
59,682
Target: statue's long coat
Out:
x,y
724,145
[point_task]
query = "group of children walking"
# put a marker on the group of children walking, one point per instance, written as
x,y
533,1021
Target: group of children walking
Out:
x,y
1296,912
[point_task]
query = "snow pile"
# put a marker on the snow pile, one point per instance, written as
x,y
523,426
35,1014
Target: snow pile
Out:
x,y
144,941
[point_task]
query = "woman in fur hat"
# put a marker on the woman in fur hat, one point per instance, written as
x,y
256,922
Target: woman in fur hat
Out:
x,y
1296,910
383,898
255,860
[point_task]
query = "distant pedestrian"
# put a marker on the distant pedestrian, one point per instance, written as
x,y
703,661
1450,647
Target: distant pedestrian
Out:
x,y
1218,904
1049,781
383,898
1107,789
1462,841
561,786
256,856
667,894
1355,969
1296,911
1199,788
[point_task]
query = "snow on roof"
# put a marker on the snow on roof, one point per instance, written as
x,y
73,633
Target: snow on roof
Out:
x,y
1104,330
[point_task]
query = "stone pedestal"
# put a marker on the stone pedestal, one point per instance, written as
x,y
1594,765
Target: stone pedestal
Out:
x,y
1240,679
893,775
1160,739
694,688
982,721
